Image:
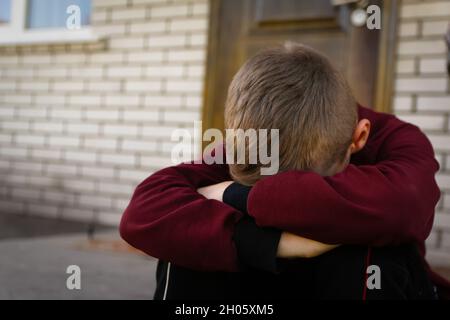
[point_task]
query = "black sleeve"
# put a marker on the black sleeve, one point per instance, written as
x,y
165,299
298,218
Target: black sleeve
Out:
x,y
236,195
256,247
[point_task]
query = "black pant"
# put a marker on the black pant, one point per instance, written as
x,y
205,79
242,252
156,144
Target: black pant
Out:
x,y
338,274
401,270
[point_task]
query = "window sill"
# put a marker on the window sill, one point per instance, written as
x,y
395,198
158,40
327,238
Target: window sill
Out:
x,y
48,36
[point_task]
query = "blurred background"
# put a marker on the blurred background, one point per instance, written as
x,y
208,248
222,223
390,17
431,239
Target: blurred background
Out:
x,y
89,97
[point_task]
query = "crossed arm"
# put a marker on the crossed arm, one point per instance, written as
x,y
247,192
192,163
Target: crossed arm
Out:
x,y
278,244
386,196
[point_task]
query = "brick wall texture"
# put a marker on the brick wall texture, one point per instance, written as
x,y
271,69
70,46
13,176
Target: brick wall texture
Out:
x,y
422,97
82,124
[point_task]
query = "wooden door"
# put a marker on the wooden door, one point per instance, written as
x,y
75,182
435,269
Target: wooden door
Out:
x,y
240,28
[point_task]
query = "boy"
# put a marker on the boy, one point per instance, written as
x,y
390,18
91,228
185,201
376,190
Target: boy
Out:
x,y
296,90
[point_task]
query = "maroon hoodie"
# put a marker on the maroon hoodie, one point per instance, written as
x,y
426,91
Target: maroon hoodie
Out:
x,y
387,195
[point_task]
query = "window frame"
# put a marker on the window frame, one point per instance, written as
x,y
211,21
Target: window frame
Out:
x,y
16,33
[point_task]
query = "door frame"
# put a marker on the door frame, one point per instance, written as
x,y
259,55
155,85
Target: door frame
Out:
x,y
385,72
384,87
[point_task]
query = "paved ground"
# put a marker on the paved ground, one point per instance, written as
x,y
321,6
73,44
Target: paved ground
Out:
x,y
35,253
14,226
33,263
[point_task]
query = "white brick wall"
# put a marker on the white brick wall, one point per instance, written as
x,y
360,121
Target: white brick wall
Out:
x,y
81,125
422,96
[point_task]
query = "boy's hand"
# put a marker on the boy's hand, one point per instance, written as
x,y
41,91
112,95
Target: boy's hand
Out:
x,y
293,246
214,191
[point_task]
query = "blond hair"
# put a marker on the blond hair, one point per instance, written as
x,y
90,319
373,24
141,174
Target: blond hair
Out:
x,y
297,90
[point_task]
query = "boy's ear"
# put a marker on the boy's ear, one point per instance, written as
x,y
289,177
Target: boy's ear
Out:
x,y
360,135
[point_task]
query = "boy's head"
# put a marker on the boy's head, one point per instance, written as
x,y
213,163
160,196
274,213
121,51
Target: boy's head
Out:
x,y
296,89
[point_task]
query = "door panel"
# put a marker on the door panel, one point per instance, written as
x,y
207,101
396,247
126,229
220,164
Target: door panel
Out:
x,y
240,28
268,11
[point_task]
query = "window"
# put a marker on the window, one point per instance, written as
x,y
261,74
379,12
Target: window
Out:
x,y
5,11
53,13
45,21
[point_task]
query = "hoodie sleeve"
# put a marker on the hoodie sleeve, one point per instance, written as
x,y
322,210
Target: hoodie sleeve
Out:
x,y
390,201
168,219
